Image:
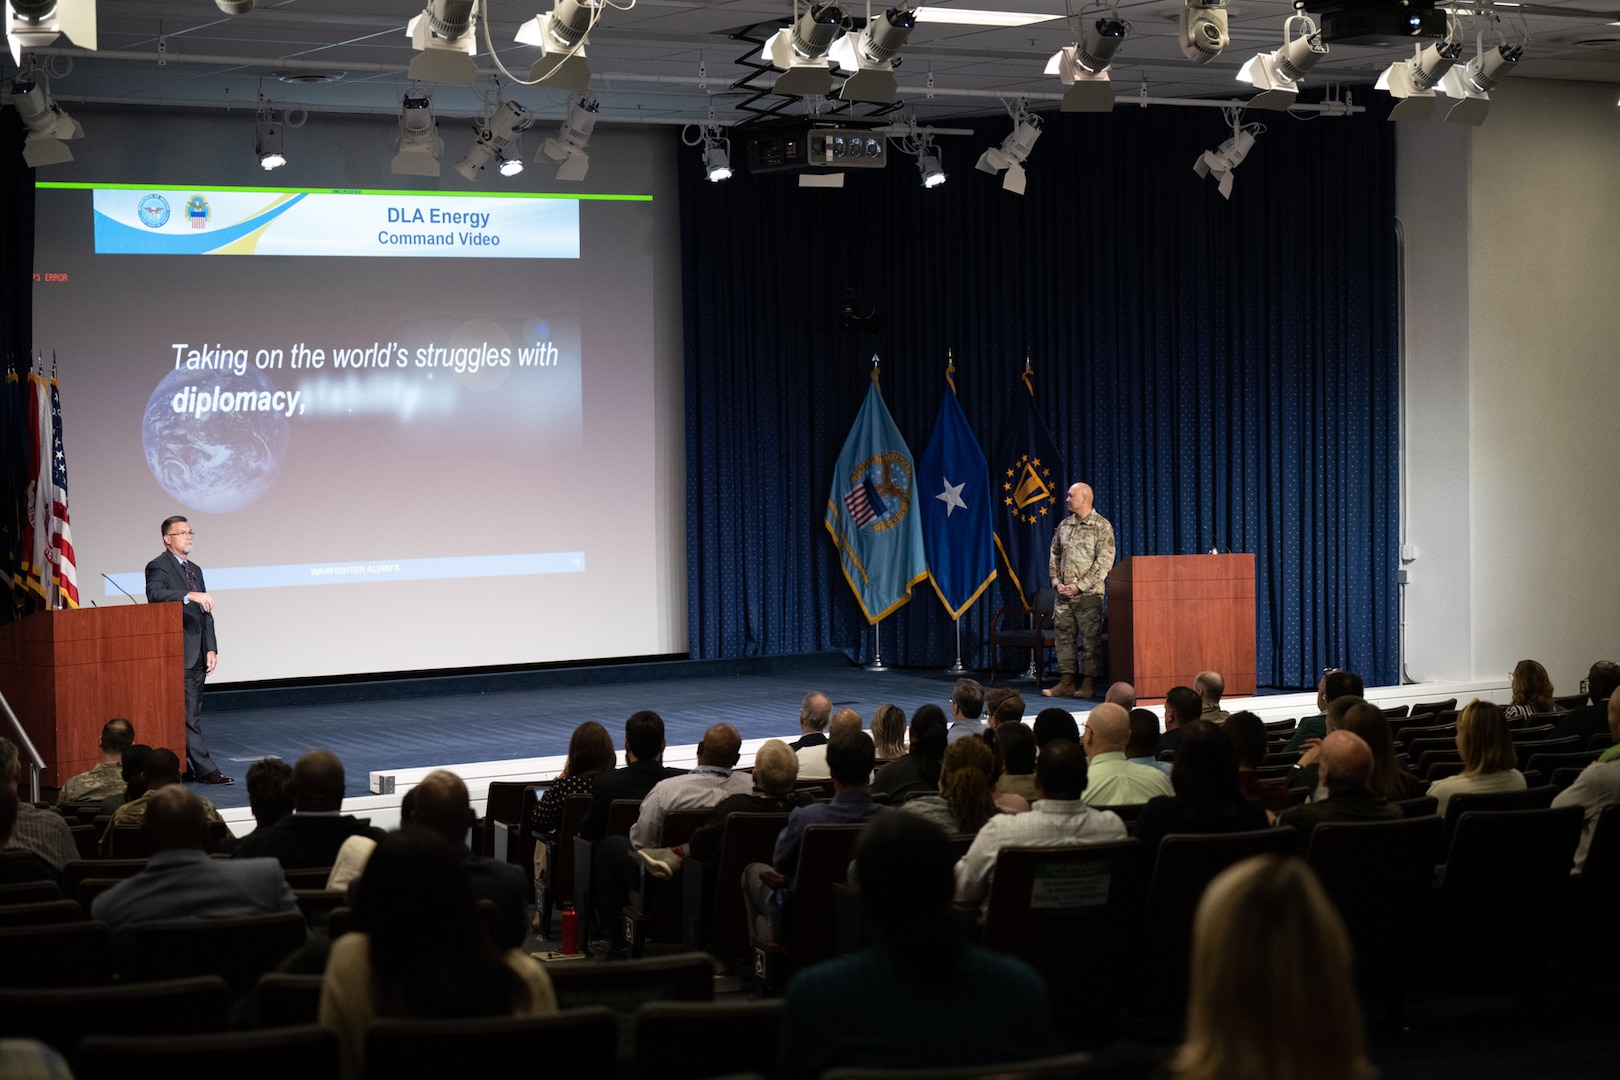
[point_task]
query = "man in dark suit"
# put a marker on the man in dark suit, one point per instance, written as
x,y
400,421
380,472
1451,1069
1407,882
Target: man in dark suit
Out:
x,y
170,577
442,805
181,881
644,768
309,837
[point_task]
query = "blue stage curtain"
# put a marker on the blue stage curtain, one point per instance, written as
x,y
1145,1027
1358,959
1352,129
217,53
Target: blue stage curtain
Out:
x,y
1224,374
16,345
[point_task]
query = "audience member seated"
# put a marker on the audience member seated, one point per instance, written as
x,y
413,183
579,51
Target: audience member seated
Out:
x,y
965,801
590,753
967,705
421,949
107,778
917,772
44,833
1592,719
813,759
1597,787
618,870
1248,734
160,768
310,836
775,769
1304,775
26,867
1054,723
443,807
182,881
643,769
1210,686
1015,755
270,795
889,732
1532,691
1122,694
1058,819
1143,747
1002,707
1182,707
1390,778
1114,781
1335,684
1486,746
132,767
1272,990
1207,797
920,996
30,1059
1346,769
850,756
815,711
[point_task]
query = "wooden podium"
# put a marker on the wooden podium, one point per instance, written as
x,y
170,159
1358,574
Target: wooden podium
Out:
x,y
66,673
1172,616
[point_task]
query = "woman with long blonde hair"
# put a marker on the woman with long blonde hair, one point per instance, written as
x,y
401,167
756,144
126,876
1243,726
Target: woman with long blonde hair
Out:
x,y
1486,746
1273,991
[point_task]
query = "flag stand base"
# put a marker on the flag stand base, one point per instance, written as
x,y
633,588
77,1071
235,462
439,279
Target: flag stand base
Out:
x,y
958,668
877,663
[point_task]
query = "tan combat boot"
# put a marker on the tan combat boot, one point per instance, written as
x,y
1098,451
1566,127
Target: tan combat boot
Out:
x,y
1086,689
1064,688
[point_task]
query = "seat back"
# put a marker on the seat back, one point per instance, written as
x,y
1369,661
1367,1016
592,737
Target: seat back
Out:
x,y
1418,806
55,954
1429,707
1063,1067
1185,866
503,803
1064,910
690,1041
560,860
281,999
237,950
1377,874
63,1016
80,869
28,892
309,1053
1526,749
1458,805
41,912
307,877
1597,889
578,1042
824,856
747,838
622,814
625,986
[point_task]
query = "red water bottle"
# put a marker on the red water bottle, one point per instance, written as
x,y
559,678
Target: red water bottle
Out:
x,y
570,930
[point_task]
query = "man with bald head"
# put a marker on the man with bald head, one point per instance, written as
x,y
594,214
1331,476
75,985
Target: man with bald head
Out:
x,y
440,803
617,869
1082,555
1112,780
812,760
310,836
181,880
1122,694
1346,765
1210,687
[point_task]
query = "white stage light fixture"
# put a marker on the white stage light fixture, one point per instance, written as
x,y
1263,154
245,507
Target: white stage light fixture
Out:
x,y
568,145
419,143
1471,85
799,51
498,136
49,127
1083,66
234,7
1203,30
717,161
560,35
1411,82
444,39
1014,149
1224,159
928,165
1277,75
872,55
267,139
34,24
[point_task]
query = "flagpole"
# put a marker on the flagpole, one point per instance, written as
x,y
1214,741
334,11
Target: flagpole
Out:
x,y
877,663
958,668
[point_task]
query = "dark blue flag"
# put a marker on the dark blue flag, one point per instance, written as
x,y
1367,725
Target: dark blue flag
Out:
x,y
1029,489
953,488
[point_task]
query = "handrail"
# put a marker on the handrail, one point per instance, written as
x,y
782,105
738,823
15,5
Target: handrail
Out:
x,y
26,745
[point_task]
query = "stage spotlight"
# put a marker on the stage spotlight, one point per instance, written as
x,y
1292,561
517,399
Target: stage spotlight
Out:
x,y
34,24
267,139
800,51
561,35
933,173
234,7
1412,82
419,144
568,145
498,138
1224,159
1203,30
1276,75
1014,149
1471,85
1083,67
871,56
444,39
49,127
717,161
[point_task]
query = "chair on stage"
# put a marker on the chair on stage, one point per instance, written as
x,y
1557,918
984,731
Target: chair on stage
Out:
x,y
1016,628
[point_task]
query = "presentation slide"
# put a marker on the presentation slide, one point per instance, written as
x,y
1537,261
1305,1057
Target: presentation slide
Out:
x,y
411,430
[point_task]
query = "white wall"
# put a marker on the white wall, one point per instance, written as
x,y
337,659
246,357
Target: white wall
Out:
x,y
1513,386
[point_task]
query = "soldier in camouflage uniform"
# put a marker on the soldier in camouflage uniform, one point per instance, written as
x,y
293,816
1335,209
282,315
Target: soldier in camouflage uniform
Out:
x,y
1082,555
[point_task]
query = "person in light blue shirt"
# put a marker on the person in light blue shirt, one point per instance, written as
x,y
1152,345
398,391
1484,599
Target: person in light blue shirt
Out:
x,y
967,705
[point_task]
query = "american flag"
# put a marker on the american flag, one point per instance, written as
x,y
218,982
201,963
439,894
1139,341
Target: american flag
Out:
x,y
864,503
64,590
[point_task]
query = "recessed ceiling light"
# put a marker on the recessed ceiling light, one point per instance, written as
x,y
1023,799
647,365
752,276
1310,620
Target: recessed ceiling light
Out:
x,y
977,17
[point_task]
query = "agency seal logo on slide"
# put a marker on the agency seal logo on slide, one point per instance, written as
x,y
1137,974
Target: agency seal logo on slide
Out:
x,y
153,211
197,210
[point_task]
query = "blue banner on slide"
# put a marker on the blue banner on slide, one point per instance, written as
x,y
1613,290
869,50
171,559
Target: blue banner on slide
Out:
x,y
356,573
